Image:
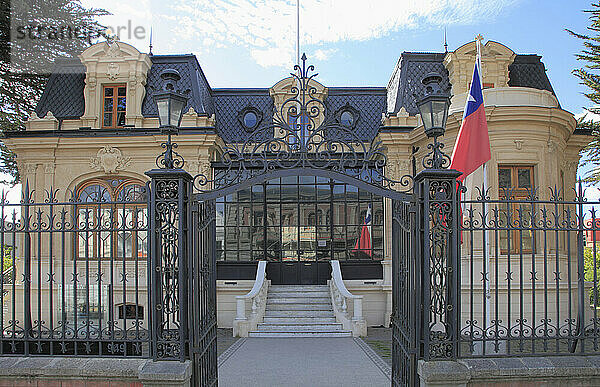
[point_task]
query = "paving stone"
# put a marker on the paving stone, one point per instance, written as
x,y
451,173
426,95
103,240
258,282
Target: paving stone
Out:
x,y
285,362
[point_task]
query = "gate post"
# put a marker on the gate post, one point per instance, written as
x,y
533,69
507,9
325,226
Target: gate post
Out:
x,y
437,219
169,215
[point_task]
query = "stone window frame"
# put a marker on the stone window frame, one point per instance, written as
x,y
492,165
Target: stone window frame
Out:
x,y
109,202
517,194
115,111
350,109
242,115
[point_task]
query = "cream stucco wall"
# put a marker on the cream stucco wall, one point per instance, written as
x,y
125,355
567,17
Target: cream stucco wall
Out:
x,y
526,126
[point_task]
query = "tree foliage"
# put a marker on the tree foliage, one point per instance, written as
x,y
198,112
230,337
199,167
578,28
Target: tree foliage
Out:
x,y
20,87
589,76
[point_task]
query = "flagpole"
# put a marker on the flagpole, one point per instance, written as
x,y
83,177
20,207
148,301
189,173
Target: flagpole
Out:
x,y
486,279
298,32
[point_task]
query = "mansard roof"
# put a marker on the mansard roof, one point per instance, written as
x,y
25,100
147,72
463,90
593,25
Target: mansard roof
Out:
x,y
405,82
64,93
193,83
529,71
228,105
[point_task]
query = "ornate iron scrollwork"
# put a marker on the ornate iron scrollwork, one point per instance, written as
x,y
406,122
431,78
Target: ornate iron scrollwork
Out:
x,y
302,134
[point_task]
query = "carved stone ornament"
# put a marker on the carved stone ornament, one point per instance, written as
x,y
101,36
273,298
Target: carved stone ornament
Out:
x,y
112,71
109,159
519,144
113,50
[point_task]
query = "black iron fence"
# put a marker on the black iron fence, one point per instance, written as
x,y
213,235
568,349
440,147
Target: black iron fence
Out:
x,y
75,273
529,276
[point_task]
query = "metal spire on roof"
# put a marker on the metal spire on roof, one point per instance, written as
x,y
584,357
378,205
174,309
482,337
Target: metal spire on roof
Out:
x,y
150,53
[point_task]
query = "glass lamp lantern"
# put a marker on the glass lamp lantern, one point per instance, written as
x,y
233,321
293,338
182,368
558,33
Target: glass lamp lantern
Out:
x,y
434,106
170,109
170,104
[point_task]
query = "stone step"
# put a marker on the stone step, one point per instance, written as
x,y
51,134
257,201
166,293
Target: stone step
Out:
x,y
303,306
299,320
301,334
299,327
299,313
298,288
287,294
298,300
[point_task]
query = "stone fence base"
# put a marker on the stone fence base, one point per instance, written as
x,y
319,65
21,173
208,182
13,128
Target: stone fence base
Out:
x,y
557,371
97,372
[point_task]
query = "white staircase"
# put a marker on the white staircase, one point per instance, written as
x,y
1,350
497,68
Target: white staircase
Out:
x,y
299,311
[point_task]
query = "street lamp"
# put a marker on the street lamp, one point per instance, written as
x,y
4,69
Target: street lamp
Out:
x,y
433,108
170,104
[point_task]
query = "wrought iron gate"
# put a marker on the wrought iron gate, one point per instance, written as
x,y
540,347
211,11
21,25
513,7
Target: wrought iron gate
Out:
x,y
405,294
203,294
183,230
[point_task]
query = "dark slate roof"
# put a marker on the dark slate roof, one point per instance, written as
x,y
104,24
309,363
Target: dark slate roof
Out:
x,y
529,71
230,102
63,94
405,82
370,102
192,82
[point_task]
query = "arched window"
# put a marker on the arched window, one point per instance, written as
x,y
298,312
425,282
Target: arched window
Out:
x,y
111,219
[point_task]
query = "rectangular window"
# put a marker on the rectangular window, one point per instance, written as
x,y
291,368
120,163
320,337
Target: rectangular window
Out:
x,y
301,128
515,185
292,219
113,106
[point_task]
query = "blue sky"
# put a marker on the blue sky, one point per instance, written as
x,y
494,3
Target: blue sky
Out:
x,y
243,43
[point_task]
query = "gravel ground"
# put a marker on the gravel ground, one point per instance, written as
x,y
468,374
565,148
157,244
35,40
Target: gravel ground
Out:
x,y
380,339
224,339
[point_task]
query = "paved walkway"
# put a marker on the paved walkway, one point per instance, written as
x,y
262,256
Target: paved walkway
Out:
x,y
318,362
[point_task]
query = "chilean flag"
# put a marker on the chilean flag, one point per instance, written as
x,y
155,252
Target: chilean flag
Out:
x,y
472,148
363,243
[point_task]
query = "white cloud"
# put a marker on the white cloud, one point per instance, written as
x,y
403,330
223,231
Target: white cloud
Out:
x,y
126,17
268,27
321,54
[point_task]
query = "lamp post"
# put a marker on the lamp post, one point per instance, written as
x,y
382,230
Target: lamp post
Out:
x,y
433,107
170,104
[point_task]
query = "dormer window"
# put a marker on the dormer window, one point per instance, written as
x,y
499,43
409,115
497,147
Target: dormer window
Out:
x,y
113,108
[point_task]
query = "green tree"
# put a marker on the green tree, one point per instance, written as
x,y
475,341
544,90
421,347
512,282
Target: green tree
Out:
x,y
589,76
590,270
20,86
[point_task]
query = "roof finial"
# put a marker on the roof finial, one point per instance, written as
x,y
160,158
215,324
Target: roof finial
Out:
x,y
479,38
445,41
150,53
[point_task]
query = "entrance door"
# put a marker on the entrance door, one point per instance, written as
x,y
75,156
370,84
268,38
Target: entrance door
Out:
x,y
299,273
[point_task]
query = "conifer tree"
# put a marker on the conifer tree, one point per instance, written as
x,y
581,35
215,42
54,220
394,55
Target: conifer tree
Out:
x,y
20,88
589,76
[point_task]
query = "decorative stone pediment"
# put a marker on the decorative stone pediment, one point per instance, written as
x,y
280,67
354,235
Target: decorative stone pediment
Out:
x,y
495,59
109,159
113,62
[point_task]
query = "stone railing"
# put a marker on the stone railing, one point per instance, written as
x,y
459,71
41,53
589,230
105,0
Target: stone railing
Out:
x,y
340,297
258,297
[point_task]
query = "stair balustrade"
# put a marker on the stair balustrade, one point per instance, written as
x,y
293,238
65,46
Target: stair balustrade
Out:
x,y
258,296
340,297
